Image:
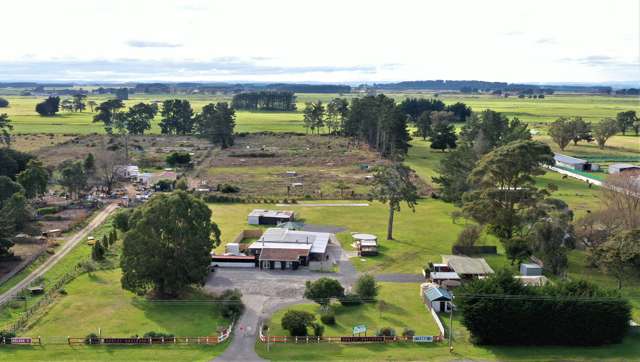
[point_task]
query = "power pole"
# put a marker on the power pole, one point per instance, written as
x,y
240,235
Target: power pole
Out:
x,y
451,326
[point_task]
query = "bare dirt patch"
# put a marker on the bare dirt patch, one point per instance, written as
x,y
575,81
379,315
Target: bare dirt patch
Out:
x,y
34,142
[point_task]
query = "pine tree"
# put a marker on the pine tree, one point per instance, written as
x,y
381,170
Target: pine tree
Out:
x,y
97,252
105,242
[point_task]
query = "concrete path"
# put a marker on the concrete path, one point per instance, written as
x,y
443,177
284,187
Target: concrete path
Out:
x,y
64,250
400,278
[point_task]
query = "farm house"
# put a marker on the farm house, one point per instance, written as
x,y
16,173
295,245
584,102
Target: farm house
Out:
x,y
622,167
280,248
269,217
466,267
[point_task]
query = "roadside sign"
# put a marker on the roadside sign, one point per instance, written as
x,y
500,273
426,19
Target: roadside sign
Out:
x,y
21,340
360,328
422,339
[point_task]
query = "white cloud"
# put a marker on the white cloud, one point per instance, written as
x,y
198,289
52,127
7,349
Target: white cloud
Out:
x,y
328,41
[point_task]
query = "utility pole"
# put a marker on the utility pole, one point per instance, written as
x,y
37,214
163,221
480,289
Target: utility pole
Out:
x,y
451,326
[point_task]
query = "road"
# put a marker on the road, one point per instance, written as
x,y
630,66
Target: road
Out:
x,y
64,250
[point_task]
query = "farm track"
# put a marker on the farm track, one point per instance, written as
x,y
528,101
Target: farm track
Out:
x,y
54,259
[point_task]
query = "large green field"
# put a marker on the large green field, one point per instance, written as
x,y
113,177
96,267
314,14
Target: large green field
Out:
x,y
22,110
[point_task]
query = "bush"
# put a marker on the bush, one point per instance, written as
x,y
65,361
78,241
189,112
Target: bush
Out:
x,y
318,329
574,313
386,332
297,321
6,336
47,210
328,317
4,103
231,305
178,159
228,189
469,235
153,334
366,288
91,338
121,220
408,332
350,300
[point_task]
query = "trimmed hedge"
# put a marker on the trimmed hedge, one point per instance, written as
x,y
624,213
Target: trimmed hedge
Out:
x,y
501,311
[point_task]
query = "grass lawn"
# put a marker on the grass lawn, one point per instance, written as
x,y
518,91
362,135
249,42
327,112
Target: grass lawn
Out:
x,y
405,310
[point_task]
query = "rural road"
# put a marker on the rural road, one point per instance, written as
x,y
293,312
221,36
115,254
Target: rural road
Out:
x,y
64,250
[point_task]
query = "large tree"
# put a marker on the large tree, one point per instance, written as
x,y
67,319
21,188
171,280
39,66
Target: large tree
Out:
x,y
562,132
108,113
167,247
423,125
443,136
8,187
337,112
139,117
323,290
297,322
620,193
13,162
49,107
626,120
504,188
620,256
177,117
34,179
392,185
581,130
604,130
78,102
491,129
313,116
73,178
5,130
16,209
216,122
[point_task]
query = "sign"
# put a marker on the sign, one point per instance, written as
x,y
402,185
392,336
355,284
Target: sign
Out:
x,y
422,339
21,340
360,328
357,339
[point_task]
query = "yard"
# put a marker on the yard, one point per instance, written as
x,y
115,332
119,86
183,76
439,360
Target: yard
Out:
x,y
404,309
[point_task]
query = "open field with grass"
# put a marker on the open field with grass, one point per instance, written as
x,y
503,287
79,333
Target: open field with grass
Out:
x,y
404,310
593,108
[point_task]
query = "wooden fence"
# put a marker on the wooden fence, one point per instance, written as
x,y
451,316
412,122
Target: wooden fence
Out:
x,y
340,339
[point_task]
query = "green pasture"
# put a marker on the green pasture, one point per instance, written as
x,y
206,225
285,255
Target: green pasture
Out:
x,y
403,309
591,107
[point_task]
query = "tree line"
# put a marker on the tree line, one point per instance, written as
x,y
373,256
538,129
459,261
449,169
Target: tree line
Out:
x,y
265,100
565,130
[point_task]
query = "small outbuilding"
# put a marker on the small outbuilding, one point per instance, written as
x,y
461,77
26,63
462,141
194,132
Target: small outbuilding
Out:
x,y
269,217
445,279
622,167
530,269
438,299
366,244
571,162
466,267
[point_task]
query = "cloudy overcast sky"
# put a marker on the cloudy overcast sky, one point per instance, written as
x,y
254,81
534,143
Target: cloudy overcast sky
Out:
x,y
321,41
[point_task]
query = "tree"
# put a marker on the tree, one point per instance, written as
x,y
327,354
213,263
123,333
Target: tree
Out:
x,y
17,211
423,123
167,247
392,185
89,164
453,170
49,107
97,251
503,186
182,184
107,164
121,220
517,249
342,187
337,111
91,105
313,116
469,236
562,131
581,130
108,113
549,240
105,241
604,130
443,136
73,178
216,123
138,118
177,117
7,188
297,321
414,107
231,306
460,111
626,120
620,194
13,162
34,179
322,290
5,129
491,129
178,159
4,103
366,287
620,256
78,102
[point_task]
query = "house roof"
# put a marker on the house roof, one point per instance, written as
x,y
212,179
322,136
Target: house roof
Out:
x,y
266,245
466,265
619,166
568,159
437,294
317,240
279,214
283,254
444,276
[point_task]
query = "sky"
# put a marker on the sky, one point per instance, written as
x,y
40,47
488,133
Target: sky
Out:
x,y
329,41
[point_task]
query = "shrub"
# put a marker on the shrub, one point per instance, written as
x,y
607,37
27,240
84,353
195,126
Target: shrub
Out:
x,y
318,329
178,159
121,220
469,235
297,321
6,336
231,305
366,287
350,300
91,338
328,317
386,332
47,210
227,189
408,332
4,103
322,290
153,334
